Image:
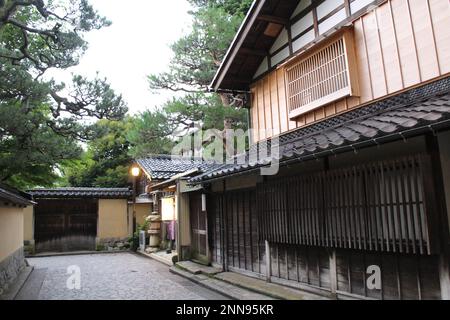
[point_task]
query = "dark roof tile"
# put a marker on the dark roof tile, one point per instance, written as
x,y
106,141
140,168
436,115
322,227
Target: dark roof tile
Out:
x,y
163,167
98,193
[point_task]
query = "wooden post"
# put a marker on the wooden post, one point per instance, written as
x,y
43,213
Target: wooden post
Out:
x,y
179,220
268,263
443,160
333,274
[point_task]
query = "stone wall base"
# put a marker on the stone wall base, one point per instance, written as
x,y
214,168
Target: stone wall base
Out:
x,y
10,268
112,244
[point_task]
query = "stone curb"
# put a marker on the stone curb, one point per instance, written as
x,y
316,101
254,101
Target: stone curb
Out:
x,y
154,257
201,282
274,294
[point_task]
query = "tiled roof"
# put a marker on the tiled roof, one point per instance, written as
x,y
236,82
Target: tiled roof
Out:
x,y
99,193
163,167
14,196
400,116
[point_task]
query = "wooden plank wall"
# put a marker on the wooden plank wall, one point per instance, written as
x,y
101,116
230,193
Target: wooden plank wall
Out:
x,y
234,234
301,264
400,44
403,277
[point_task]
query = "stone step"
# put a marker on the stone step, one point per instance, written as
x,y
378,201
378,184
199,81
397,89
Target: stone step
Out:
x,y
196,268
219,286
261,286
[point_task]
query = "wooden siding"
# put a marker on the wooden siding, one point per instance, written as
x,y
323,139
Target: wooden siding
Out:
x,y
235,244
400,44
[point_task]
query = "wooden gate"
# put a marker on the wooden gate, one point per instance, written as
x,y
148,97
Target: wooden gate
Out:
x,y
235,243
65,225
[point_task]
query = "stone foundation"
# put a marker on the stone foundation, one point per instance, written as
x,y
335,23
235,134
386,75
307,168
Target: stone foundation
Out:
x,y
113,244
10,268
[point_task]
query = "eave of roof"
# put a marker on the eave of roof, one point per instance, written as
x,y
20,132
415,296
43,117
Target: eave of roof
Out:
x,y
80,193
165,167
252,44
405,115
13,196
237,43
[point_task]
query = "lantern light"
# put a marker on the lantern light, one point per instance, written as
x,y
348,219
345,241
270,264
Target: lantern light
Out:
x,y
135,172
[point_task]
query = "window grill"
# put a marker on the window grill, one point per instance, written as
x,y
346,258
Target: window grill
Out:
x,y
320,78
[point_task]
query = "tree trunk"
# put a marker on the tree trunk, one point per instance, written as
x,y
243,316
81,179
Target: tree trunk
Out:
x,y
227,125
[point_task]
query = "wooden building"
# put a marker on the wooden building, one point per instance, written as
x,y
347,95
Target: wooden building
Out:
x,y
12,205
357,93
164,179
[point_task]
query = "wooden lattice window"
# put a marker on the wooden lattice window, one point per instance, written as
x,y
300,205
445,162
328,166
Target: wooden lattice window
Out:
x,y
386,206
323,76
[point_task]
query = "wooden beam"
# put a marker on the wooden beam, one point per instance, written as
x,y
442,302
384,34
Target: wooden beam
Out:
x,y
273,19
254,52
238,80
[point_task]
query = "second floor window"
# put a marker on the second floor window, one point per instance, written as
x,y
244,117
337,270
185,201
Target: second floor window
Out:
x,y
322,77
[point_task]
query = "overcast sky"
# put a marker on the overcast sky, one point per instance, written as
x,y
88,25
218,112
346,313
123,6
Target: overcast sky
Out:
x,y
136,45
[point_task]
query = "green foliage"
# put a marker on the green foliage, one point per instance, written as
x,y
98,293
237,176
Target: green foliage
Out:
x,y
30,151
40,119
100,247
36,36
204,110
198,54
150,134
134,240
232,7
106,161
197,57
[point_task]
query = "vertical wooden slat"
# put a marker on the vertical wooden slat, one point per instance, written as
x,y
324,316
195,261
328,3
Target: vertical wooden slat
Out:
x,y
416,213
406,233
390,200
423,235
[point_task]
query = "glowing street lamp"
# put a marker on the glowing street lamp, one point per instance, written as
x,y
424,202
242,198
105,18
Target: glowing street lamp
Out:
x,y
135,172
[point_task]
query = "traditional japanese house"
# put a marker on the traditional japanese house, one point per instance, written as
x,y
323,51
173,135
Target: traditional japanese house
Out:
x,y
358,94
164,180
13,203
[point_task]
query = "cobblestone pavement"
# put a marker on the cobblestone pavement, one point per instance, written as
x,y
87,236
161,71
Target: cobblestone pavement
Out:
x,y
121,276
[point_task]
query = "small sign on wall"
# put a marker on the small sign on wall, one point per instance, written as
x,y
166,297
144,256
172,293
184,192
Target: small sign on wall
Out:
x,y
203,202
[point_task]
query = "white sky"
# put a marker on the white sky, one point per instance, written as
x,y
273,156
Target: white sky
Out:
x,y
134,46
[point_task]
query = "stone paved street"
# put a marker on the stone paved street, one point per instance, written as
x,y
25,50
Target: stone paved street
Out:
x,y
121,276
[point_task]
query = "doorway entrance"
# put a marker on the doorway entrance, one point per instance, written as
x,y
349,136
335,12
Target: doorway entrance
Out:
x,y
199,230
